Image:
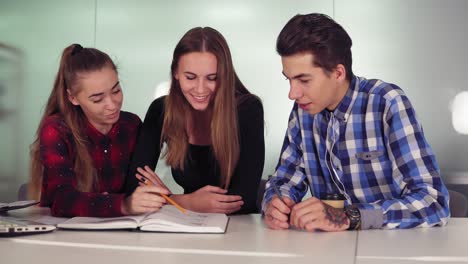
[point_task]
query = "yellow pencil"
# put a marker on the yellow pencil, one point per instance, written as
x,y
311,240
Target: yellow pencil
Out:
x,y
174,203
149,183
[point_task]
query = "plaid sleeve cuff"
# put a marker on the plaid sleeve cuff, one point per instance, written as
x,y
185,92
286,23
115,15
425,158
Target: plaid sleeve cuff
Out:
x,y
115,205
269,193
371,218
266,199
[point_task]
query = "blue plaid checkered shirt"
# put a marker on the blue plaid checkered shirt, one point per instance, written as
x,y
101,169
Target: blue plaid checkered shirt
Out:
x,y
372,150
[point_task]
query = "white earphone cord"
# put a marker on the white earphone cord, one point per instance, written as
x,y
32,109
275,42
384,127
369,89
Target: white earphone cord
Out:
x,y
341,189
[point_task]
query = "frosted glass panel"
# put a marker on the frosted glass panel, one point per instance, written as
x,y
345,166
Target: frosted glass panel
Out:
x,y
10,78
142,38
420,46
38,30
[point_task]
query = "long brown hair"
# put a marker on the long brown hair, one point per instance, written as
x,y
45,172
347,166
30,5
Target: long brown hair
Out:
x,y
229,92
75,61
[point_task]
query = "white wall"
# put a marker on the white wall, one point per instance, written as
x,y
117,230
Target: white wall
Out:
x,y
419,45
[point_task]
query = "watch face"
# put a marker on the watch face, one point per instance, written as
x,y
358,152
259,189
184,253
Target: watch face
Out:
x,y
353,212
354,217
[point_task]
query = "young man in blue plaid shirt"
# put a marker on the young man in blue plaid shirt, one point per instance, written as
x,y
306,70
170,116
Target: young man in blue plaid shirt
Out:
x,y
351,136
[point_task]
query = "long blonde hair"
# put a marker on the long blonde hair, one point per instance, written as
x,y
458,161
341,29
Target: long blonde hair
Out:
x,y
224,123
75,60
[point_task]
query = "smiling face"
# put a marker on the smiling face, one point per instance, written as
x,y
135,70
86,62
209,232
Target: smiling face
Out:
x,y
100,97
310,86
197,74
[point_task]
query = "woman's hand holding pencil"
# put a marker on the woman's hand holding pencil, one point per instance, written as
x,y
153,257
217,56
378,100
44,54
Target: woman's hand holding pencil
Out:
x,y
144,200
147,177
208,199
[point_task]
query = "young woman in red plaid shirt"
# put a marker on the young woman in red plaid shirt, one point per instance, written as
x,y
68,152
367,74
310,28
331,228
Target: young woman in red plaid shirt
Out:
x,y
80,157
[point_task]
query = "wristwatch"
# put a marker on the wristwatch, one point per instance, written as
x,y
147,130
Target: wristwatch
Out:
x,y
354,217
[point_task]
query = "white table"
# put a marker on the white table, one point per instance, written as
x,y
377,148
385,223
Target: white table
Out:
x,y
247,240
447,244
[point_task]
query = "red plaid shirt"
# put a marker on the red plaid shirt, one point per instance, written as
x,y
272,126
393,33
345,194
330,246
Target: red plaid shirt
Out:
x,y
111,155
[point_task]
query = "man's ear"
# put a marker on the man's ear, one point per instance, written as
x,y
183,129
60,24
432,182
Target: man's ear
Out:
x,y
340,72
72,98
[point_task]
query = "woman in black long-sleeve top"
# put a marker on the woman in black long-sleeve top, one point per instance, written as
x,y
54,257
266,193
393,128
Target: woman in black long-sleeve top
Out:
x,y
212,128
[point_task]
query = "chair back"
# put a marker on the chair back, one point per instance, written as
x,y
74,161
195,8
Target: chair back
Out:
x,y
23,192
458,204
261,191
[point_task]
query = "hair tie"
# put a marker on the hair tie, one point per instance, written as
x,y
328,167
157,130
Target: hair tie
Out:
x,y
76,49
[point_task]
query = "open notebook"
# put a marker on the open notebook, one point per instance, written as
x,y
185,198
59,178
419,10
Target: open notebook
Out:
x,y
168,219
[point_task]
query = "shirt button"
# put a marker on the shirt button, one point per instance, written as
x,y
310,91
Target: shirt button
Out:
x,y
105,151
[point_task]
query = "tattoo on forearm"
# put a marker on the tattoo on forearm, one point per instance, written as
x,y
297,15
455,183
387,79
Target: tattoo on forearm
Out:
x,y
336,216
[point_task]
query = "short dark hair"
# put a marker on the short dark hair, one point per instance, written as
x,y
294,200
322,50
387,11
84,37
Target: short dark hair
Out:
x,y
320,35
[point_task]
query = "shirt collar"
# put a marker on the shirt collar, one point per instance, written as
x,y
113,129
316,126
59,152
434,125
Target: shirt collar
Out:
x,y
96,136
343,110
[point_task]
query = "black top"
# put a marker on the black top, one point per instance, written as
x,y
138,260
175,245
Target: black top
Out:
x,y
201,167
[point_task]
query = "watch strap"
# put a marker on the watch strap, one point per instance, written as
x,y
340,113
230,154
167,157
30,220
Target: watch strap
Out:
x,y
354,216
